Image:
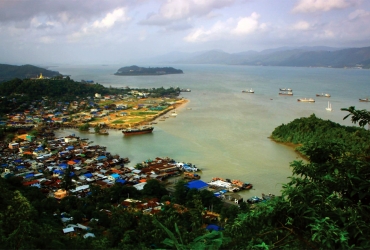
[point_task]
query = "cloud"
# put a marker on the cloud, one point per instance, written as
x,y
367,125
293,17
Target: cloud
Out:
x,y
321,5
302,25
101,25
175,10
359,14
247,25
228,29
118,15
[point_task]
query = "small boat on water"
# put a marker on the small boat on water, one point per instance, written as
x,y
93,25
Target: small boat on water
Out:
x,y
306,100
329,107
364,100
138,131
286,89
248,91
286,93
323,95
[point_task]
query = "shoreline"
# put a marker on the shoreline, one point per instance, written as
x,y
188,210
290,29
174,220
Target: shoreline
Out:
x,y
146,121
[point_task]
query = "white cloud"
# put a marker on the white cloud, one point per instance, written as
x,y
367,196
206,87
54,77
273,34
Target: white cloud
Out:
x,y
228,29
101,25
321,5
302,25
174,10
247,25
359,14
118,15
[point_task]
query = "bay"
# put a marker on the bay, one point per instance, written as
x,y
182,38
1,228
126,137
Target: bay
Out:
x,y
222,130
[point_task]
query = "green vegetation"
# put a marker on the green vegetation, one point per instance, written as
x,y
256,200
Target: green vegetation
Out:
x,y
312,129
8,72
136,70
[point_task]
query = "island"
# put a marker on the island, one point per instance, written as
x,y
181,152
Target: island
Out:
x,y
138,71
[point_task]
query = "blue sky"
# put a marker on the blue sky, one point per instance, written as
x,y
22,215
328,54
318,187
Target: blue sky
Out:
x,y
123,31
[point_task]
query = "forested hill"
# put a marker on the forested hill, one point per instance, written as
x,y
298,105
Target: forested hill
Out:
x,y
57,88
136,70
292,57
306,130
8,72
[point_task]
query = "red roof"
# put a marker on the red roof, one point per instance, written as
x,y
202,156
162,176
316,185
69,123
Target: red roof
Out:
x,y
29,183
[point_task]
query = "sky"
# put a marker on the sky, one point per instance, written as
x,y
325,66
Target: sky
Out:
x,y
125,31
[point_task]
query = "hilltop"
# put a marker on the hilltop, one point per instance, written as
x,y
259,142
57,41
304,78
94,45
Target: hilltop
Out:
x,y
8,72
136,71
286,56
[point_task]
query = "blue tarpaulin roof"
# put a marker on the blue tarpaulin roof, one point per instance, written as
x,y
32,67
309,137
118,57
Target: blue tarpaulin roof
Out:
x,y
121,181
29,175
56,171
198,184
70,148
88,175
76,160
18,160
63,165
115,176
102,157
20,167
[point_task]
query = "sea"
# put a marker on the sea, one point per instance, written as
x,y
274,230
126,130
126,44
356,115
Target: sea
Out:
x,y
223,131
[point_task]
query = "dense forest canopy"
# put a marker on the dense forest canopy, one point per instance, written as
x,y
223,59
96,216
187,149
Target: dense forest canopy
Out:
x,y
312,129
136,70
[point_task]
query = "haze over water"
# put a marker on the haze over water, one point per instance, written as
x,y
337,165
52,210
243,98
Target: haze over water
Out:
x,y
224,131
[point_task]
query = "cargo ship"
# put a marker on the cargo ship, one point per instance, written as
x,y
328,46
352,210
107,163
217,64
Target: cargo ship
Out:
x,y
138,131
286,93
323,95
306,100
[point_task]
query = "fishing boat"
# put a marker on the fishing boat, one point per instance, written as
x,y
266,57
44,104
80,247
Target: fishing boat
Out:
x,y
286,93
306,100
364,100
248,91
138,131
329,107
286,89
323,95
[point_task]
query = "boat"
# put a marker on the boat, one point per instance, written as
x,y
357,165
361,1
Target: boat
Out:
x,y
329,107
103,132
323,95
364,100
286,93
306,100
138,131
290,90
248,91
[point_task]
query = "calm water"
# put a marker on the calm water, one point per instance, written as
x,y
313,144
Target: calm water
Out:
x,y
224,131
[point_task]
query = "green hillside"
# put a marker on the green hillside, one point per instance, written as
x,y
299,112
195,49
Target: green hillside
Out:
x,y
8,72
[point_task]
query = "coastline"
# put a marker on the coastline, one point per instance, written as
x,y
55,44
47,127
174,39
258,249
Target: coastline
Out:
x,y
109,123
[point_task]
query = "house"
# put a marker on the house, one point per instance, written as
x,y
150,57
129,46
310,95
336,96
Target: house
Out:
x,y
13,145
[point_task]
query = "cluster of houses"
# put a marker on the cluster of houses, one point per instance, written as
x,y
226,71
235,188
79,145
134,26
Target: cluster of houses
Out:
x,y
84,110
44,166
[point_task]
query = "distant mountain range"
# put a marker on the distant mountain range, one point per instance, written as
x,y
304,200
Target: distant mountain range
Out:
x,y
9,72
320,56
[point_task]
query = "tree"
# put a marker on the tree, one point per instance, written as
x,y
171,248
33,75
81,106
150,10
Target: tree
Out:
x,y
360,116
154,188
